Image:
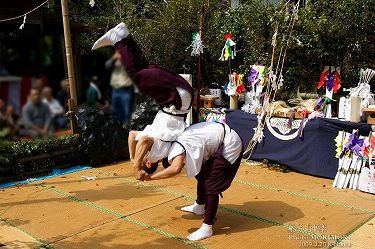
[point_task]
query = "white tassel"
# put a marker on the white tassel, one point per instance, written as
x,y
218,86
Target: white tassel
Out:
x,y
23,24
197,46
281,81
273,43
222,54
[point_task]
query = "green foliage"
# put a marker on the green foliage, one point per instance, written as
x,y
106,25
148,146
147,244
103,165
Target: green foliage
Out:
x,y
250,26
25,157
338,33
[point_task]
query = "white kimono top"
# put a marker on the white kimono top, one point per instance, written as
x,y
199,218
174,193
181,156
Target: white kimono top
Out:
x,y
200,141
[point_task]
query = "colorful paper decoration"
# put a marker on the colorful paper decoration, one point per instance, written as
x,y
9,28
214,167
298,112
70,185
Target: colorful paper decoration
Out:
x,y
257,75
353,151
257,80
235,85
229,49
331,78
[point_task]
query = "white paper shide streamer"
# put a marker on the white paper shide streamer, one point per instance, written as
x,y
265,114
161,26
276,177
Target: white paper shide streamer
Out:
x,y
351,164
92,3
23,23
196,45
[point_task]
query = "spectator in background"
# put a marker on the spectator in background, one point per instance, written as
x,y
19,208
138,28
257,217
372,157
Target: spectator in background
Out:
x,y
39,84
2,107
94,97
36,117
57,111
62,94
122,89
3,71
12,119
4,129
8,121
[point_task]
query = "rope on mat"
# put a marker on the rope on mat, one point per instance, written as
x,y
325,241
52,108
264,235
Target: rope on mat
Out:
x,y
263,186
123,217
221,207
42,243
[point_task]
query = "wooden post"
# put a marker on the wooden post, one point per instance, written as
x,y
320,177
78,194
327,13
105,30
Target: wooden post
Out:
x,y
199,63
72,102
233,102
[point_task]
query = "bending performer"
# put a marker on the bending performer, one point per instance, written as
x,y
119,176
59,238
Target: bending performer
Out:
x,y
212,153
170,90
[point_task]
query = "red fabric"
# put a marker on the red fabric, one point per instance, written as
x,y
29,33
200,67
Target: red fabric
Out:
x,y
26,84
228,36
45,81
337,84
240,88
323,78
236,77
4,89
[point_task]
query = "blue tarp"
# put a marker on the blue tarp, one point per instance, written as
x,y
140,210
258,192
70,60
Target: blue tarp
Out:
x,y
313,153
54,173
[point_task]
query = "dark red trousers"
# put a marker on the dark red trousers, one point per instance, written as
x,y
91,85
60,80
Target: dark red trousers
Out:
x,y
215,177
152,80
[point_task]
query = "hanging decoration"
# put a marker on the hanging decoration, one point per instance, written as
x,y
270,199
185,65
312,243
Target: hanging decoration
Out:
x,y
277,84
92,3
274,76
229,49
23,23
330,78
235,85
354,153
361,93
196,45
256,81
24,15
257,75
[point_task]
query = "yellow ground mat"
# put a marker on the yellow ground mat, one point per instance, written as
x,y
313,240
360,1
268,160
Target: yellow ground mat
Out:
x,y
262,209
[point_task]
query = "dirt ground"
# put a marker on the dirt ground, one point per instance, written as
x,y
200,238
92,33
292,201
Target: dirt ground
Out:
x,y
262,209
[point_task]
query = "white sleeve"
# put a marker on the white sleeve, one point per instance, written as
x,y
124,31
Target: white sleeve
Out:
x,y
174,151
57,108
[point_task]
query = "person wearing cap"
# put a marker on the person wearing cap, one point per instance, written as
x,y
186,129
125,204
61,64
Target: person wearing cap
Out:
x,y
212,154
172,92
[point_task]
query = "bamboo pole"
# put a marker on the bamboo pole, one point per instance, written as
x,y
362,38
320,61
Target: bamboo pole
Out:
x,y
72,102
201,20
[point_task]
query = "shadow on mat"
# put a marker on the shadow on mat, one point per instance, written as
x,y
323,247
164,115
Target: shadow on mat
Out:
x,y
252,214
94,192
16,244
118,240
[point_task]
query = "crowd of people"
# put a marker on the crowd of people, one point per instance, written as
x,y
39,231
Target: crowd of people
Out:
x,y
44,111
42,114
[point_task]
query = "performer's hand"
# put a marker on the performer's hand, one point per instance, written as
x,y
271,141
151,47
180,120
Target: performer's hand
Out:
x,y
147,177
139,175
116,55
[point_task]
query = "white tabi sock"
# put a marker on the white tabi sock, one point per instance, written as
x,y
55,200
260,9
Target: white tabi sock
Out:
x,y
202,233
195,208
113,35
